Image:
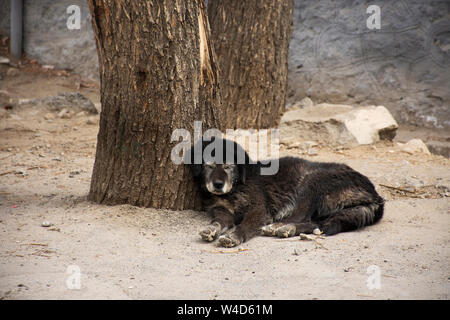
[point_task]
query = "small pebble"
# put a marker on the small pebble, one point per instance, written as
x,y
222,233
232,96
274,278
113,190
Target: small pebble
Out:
x,y
46,224
317,231
304,236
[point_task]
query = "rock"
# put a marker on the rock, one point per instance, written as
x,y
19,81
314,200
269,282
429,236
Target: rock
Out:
x,y
98,107
72,101
62,113
5,99
304,236
3,113
414,146
304,103
439,147
12,72
317,231
46,224
49,116
4,60
22,101
92,120
338,124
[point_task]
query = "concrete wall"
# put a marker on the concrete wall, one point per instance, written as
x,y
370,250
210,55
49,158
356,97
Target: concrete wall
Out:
x,y
405,65
334,57
47,38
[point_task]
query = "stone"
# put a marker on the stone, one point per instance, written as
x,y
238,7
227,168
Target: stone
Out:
x,y
3,113
72,101
439,147
304,236
414,146
304,103
338,125
49,116
62,113
317,231
92,120
12,72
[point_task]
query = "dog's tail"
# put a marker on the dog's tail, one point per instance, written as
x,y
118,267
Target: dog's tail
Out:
x,y
352,218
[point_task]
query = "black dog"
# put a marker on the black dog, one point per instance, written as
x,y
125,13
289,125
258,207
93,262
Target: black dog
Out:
x,y
299,198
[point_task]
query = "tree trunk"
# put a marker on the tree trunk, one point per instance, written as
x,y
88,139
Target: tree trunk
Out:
x,y
251,41
157,74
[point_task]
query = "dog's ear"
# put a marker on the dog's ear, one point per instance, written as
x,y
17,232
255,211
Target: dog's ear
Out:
x,y
242,173
196,169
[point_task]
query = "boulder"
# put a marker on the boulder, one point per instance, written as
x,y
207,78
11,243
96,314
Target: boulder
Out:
x,y
71,101
414,146
439,147
335,124
304,103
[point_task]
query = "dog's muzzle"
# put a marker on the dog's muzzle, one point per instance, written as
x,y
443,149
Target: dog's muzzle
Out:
x,y
218,187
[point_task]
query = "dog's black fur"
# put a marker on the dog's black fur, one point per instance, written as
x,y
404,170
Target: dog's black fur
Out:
x,y
299,198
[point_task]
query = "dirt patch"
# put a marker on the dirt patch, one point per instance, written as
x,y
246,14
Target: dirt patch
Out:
x,y
127,252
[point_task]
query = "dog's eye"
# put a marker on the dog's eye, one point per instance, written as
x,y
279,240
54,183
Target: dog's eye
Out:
x,y
227,166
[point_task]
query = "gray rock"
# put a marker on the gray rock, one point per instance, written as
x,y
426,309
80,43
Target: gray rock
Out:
x,y
12,72
439,148
338,124
304,103
70,101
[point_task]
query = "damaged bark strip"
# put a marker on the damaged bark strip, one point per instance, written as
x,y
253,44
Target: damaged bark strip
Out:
x,y
158,74
251,40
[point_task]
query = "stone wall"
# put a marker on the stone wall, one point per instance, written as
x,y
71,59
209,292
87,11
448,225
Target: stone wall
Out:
x,y
404,65
334,57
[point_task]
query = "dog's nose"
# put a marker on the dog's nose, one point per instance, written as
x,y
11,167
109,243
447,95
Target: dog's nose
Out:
x,y
218,184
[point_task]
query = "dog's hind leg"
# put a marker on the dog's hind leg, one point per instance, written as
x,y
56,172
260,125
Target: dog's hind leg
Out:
x,y
351,218
288,229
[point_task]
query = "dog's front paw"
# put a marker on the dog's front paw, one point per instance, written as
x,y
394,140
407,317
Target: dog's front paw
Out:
x,y
229,240
271,229
209,234
286,231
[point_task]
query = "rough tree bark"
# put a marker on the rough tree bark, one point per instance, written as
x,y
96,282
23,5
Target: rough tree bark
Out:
x,y
157,74
251,41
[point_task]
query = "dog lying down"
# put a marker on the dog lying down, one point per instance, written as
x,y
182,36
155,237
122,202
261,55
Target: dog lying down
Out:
x,y
300,197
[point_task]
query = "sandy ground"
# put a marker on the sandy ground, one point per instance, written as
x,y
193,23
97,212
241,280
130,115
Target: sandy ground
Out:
x,y
125,252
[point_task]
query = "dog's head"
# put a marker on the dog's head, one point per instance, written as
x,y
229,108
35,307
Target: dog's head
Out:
x,y
219,165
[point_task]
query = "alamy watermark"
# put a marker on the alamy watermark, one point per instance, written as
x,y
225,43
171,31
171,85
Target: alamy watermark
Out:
x,y
374,279
263,146
374,20
73,281
74,19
